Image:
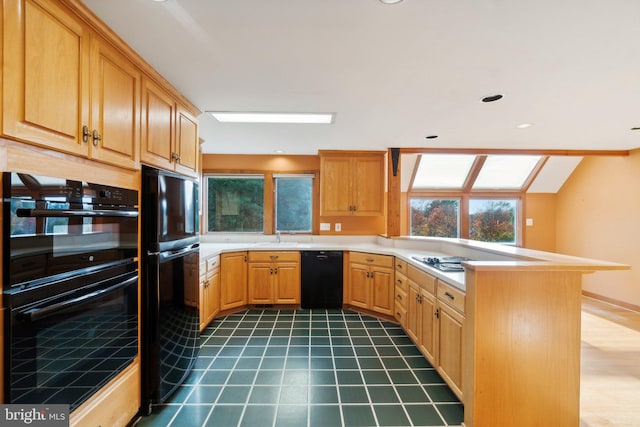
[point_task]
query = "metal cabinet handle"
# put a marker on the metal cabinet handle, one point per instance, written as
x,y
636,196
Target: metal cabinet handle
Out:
x,y
85,133
399,297
96,138
370,259
437,313
450,295
273,256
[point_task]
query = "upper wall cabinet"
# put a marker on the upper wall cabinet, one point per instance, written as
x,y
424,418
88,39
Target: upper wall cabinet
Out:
x,y
65,87
352,183
169,132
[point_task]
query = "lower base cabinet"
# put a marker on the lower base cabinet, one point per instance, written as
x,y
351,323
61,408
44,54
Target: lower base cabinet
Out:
x,y
233,280
435,322
370,282
274,277
209,290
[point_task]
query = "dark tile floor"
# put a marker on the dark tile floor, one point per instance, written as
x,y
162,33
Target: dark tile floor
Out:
x,y
308,368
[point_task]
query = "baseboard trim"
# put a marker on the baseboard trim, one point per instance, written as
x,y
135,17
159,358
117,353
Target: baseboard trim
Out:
x,y
623,304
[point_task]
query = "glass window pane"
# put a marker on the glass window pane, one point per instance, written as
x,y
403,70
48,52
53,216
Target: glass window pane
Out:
x,y
505,172
443,170
435,217
493,220
235,203
294,198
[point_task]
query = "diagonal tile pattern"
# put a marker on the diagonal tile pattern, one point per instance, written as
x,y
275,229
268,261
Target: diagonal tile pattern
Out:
x,y
308,368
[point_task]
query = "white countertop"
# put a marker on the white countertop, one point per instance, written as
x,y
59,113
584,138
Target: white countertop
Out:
x,y
454,278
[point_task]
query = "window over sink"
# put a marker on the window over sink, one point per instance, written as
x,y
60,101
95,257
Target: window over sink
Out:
x,y
241,203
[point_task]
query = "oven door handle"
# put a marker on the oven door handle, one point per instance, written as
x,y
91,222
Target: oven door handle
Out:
x,y
65,213
35,314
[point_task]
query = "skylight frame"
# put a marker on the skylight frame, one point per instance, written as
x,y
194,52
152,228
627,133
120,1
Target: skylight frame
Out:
x,y
471,176
452,180
496,166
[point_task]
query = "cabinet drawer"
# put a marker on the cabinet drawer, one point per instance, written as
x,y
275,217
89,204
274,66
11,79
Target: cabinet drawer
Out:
x,y
270,256
212,263
371,259
401,297
424,280
401,266
451,296
402,282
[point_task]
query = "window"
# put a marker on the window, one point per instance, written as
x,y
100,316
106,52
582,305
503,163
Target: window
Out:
x,y
435,217
471,196
505,172
235,203
443,171
294,202
493,220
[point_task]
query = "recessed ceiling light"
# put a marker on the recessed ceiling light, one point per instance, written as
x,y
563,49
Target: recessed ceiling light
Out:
x,y
390,1
524,125
278,151
492,98
296,118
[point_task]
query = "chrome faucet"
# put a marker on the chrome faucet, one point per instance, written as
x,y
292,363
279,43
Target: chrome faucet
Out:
x,y
277,236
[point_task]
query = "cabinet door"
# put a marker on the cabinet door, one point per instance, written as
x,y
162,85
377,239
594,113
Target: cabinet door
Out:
x,y
335,186
203,303
214,295
382,299
368,185
261,277
233,278
187,144
359,285
45,70
414,312
115,95
449,360
158,130
287,286
427,328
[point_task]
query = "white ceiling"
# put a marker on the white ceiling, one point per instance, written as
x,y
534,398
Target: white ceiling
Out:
x,y
394,74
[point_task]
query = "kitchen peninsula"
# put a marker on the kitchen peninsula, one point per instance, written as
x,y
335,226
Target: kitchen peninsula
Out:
x,y
520,344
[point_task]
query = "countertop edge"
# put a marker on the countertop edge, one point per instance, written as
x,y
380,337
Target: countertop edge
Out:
x,y
544,262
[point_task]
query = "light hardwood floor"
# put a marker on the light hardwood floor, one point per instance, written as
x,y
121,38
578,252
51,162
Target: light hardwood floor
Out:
x,y
610,368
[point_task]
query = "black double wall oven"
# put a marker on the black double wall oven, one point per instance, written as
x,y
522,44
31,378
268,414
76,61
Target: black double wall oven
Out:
x,y
70,287
170,283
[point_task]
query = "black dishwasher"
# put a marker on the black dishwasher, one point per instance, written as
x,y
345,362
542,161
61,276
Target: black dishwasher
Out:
x,y
321,279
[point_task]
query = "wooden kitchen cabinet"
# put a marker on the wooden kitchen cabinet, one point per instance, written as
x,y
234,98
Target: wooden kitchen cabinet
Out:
x,y
352,183
449,338
435,321
187,142
233,280
209,290
169,132
371,284
274,277
67,88
401,289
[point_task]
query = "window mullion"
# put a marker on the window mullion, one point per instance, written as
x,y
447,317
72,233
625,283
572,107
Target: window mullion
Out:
x,y
473,173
